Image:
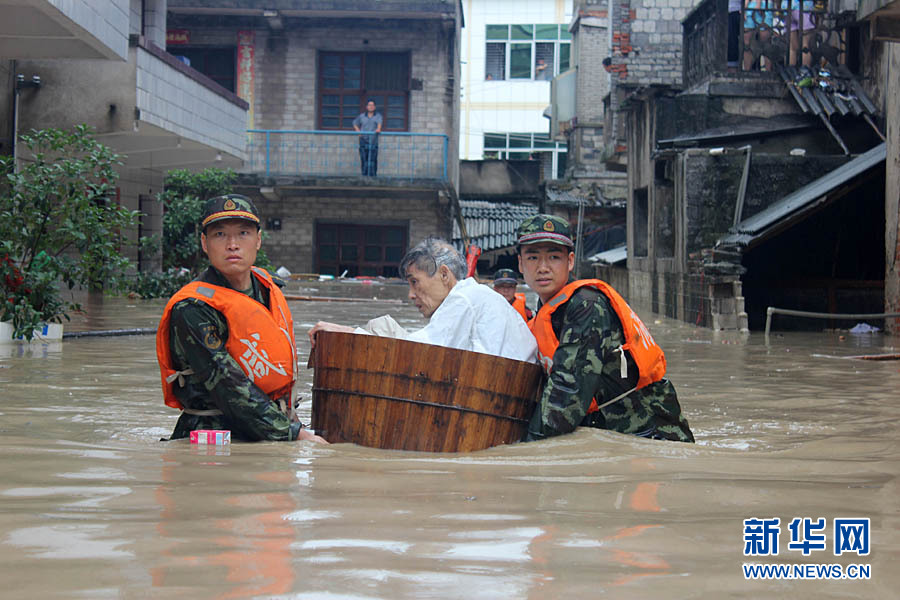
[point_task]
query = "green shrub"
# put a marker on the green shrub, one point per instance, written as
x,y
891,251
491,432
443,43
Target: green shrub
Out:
x,y
58,224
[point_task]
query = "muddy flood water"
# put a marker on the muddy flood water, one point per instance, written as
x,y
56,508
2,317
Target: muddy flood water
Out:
x,y
94,505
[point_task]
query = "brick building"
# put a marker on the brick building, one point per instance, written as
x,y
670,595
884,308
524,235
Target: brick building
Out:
x,y
306,70
754,176
742,178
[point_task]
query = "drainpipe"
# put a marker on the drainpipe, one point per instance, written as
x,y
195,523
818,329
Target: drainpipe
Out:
x,y
12,111
19,85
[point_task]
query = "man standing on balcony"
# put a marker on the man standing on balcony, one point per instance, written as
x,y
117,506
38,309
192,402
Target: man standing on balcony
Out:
x,y
369,125
225,343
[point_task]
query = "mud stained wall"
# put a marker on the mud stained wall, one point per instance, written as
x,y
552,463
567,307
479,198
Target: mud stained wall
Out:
x,y
712,184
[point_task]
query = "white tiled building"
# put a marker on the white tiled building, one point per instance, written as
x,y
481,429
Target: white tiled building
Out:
x,y
511,49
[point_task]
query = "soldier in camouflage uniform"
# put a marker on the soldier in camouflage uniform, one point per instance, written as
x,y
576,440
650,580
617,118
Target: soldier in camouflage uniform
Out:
x,y
591,381
209,383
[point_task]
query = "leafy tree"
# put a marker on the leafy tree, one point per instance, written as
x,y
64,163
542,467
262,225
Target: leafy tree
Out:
x,y
185,194
58,223
183,200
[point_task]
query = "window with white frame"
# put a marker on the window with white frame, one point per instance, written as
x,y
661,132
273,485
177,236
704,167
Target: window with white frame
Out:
x,y
530,52
528,146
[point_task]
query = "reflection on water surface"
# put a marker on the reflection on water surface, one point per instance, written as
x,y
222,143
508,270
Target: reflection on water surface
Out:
x,y
91,495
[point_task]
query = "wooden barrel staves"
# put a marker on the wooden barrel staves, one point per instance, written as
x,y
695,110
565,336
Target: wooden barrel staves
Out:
x,y
389,393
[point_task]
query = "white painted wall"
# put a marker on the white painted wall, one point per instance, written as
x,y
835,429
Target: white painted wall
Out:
x,y
501,106
106,21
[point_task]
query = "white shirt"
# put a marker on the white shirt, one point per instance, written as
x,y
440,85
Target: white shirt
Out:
x,y
475,317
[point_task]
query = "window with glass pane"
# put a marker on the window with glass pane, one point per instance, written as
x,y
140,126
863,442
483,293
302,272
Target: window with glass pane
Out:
x,y
520,140
359,249
519,155
564,49
541,140
561,158
521,32
543,61
388,71
495,62
497,32
495,140
546,32
348,79
520,61
564,33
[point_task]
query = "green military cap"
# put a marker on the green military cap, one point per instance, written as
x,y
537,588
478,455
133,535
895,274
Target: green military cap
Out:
x,y
229,206
545,228
505,276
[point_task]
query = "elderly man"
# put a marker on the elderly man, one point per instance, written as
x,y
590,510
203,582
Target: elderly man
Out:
x,y
463,313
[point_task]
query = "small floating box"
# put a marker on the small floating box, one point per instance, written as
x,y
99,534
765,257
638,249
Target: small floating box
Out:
x,y
389,393
211,437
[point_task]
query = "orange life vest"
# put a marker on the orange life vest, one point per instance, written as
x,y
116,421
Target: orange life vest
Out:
x,y
260,339
647,355
519,305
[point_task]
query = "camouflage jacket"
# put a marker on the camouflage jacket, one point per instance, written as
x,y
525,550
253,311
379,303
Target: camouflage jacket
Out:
x,y
199,333
586,365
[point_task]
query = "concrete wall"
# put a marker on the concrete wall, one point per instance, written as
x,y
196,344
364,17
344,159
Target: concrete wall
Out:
x,y
712,182
78,91
104,95
892,190
424,213
155,22
107,21
487,178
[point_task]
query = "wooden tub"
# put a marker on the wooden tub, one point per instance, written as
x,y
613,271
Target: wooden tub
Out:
x,y
389,393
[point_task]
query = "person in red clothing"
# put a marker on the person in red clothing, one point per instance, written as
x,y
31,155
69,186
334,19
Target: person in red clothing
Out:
x,y
505,283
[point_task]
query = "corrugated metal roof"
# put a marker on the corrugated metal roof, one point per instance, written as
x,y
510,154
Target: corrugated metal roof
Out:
x,y
793,206
610,257
491,225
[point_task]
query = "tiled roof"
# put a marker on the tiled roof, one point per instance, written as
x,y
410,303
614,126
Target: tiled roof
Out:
x,y
491,225
837,93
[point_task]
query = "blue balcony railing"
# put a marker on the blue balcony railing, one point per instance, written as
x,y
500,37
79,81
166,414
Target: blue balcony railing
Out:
x,y
289,152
